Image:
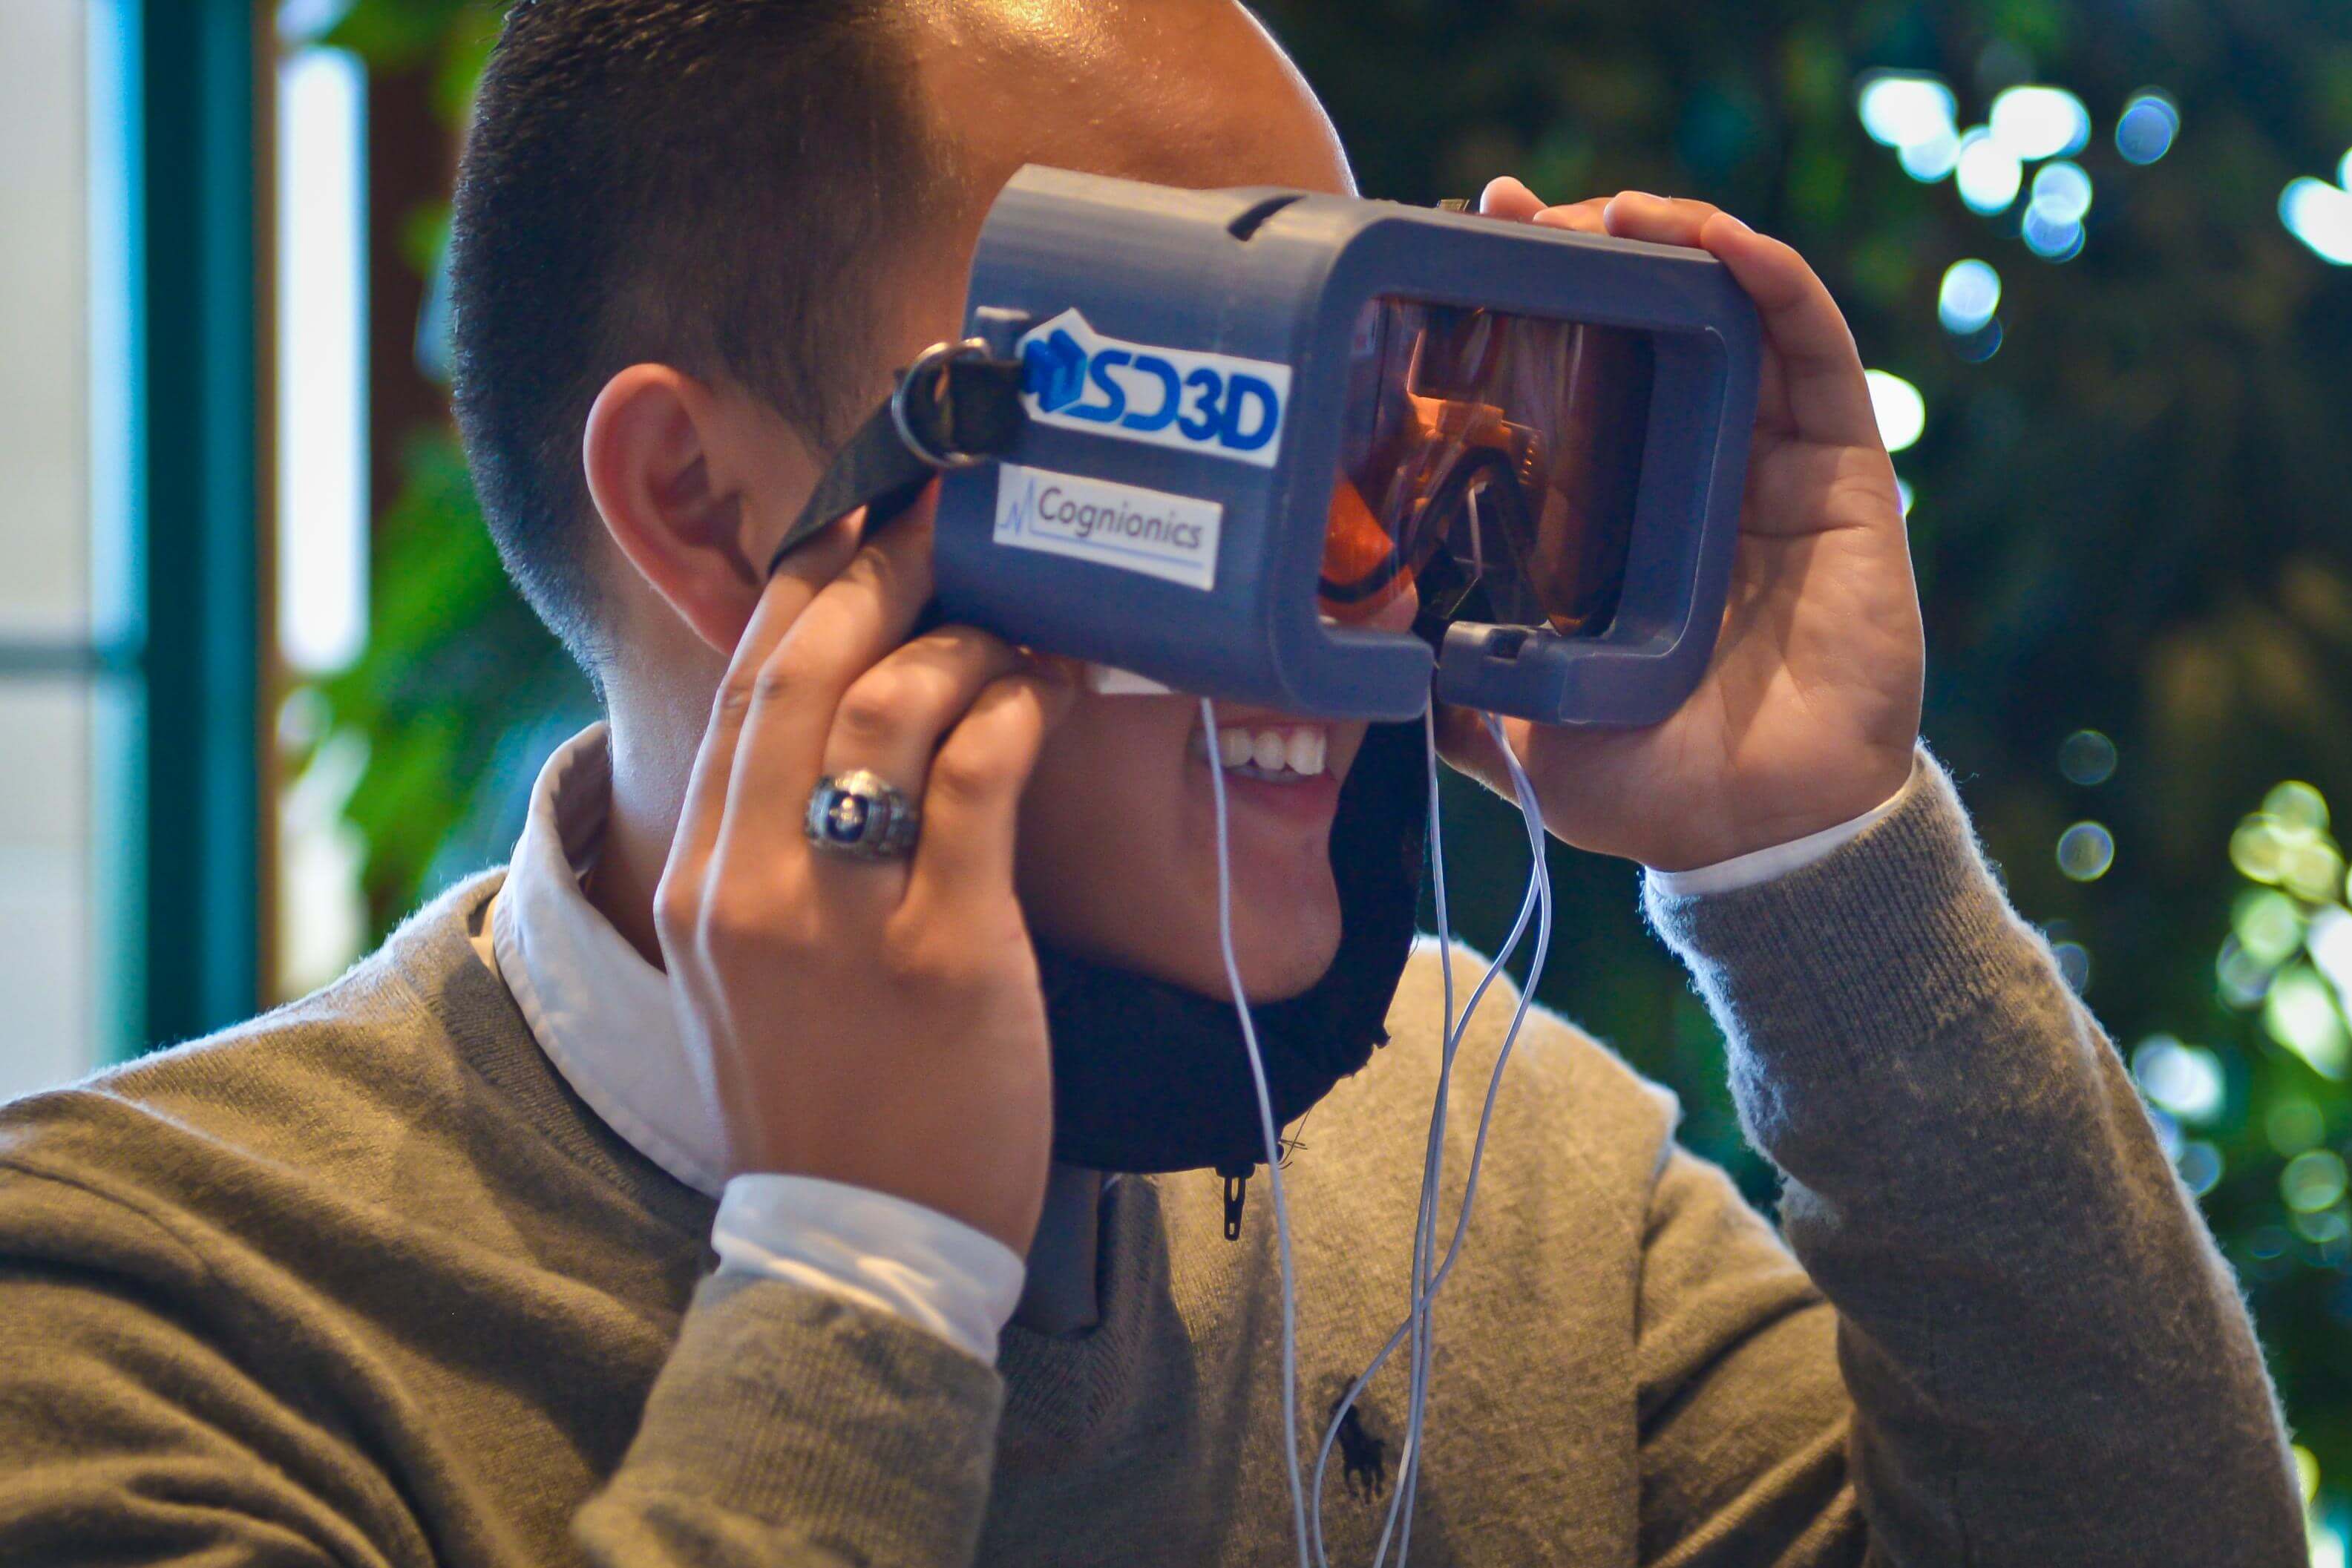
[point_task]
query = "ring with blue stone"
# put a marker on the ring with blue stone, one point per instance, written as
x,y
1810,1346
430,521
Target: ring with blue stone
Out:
x,y
857,813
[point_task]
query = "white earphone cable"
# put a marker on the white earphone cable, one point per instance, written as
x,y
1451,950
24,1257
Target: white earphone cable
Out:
x,y
1531,812
1428,1281
1265,1124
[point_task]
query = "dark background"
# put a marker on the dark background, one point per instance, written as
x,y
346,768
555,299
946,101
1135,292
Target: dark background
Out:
x,y
2130,519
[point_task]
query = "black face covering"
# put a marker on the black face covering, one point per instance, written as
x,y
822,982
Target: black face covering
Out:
x,y
1149,1076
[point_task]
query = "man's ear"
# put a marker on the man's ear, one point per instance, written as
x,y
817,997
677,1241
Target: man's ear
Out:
x,y
662,454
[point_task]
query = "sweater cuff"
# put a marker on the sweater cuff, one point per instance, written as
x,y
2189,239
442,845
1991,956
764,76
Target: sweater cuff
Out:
x,y
1893,938
806,1419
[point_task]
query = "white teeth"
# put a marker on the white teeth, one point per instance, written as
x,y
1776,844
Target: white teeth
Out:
x,y
1296,753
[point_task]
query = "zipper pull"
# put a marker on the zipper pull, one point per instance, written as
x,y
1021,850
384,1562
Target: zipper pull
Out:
x,y
1236,1191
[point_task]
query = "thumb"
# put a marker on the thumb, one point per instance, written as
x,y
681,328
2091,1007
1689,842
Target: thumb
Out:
x,y
1468,748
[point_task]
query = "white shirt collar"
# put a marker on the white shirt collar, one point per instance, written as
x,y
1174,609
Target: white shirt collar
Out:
x,y
598,1010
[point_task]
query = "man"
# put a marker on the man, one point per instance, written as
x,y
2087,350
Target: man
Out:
x,y
418,1271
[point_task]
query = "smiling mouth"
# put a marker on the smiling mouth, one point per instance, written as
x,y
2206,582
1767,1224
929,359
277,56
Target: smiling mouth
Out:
x,y
1272,753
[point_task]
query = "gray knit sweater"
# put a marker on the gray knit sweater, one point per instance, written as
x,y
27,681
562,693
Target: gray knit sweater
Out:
x,y
362,1283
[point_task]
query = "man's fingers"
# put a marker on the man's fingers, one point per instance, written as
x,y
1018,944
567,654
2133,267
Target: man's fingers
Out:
x,y
786,594
1583,217
847,628
893,717
1464,741
1506,196
1660,220
1821,370
963,862
890,722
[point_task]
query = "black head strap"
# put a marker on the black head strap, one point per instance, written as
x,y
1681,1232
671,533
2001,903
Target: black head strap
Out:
x,y
955,406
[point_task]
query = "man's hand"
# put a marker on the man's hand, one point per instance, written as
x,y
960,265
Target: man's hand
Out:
x,y
873,1022
1810,707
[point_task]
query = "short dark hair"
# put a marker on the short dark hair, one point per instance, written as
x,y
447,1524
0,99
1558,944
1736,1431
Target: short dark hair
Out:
x,y
707,184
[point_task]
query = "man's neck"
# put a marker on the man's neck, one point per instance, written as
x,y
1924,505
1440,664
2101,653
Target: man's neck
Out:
x,y
1061,1293
648,783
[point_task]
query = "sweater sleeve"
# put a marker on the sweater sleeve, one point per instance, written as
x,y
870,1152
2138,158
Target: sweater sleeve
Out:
x,y
130,1435
140,1423
2047,1359
792,1427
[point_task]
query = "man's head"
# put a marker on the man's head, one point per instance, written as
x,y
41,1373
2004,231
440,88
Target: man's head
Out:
x,y
692,239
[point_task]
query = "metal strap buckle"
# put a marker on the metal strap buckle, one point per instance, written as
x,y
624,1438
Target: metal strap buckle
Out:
x,y
933,362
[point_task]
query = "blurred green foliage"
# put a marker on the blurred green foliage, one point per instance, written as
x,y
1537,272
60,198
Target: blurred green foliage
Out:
x,y
2130,519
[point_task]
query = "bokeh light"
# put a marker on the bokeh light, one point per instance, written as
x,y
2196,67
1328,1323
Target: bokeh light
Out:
x,y
1969,296
2200,1166
2268,925
2315,212
2313,1180
2040,122
2298,805
2300,1014
2062,191
2183,1080
2073,964
2049,237
1981,345
2086,851
2144,131
1929,161
1902,411
1988,173
2327,1229
2314,867
2293,1124
2242,978
1900,109
2257,850
2329,942
1905,496
2086,757
2287,843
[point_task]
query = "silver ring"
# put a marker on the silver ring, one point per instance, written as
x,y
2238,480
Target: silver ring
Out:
x,y
856,813
930,360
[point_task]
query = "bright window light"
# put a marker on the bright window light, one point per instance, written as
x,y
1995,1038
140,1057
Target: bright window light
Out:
x,y
322,441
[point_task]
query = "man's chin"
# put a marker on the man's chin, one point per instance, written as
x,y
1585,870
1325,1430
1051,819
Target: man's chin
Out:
x,y
1279,956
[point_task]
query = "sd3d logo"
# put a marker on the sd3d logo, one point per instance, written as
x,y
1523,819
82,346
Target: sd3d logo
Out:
x,y
1217,404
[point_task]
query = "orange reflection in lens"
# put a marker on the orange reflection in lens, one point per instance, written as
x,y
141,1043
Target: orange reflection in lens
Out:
x,y
1361,572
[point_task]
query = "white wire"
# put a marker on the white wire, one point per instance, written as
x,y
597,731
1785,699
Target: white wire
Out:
x,y
1424,1216
1445,974
1531,812
1427,1282
1265,1125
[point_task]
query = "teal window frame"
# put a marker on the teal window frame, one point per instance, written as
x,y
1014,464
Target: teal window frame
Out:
x,y
176,506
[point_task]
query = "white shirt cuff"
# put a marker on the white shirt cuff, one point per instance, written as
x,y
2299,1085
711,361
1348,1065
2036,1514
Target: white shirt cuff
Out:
x,y
866,1247
1760,866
